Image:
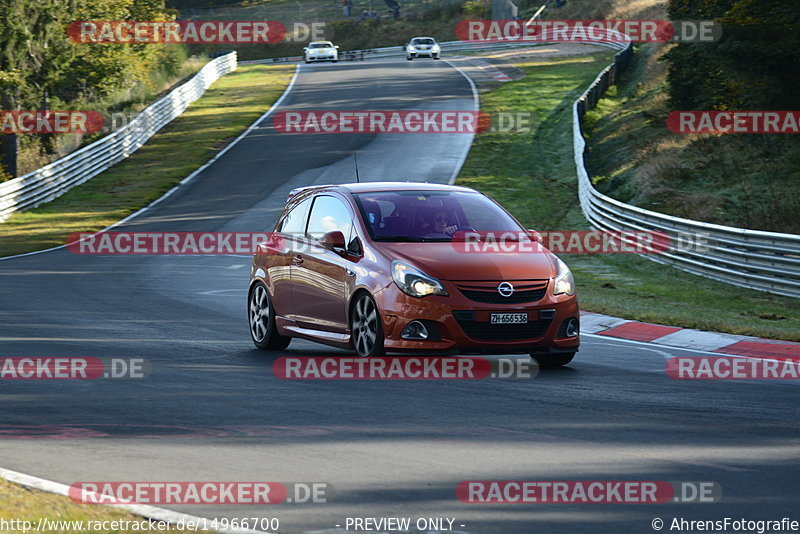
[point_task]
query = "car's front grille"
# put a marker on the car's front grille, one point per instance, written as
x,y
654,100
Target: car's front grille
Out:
x,y
484,331
488,294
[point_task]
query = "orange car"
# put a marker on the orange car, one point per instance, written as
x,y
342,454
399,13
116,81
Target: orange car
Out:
x,y
381,267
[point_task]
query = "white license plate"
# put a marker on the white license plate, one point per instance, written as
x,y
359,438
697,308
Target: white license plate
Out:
x,y
508,318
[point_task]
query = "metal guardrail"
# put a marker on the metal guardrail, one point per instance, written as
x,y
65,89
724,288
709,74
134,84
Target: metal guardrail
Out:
x,y
55,179
766,261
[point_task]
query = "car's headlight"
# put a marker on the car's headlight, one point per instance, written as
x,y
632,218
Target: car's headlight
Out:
x,y
414,282
411,48
564,283
436,48
312,51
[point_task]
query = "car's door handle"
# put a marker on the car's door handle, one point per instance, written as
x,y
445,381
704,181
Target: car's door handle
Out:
x,y
297,260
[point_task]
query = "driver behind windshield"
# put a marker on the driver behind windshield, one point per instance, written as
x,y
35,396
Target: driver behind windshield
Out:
x,y
442,225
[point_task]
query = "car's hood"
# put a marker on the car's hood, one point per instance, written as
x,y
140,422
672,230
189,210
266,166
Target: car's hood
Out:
x,y
449,261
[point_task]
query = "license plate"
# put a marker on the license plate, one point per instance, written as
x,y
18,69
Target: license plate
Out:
x,y
508,318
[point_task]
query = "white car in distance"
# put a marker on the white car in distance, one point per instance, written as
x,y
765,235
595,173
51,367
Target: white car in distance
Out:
x,y
321,51
423,47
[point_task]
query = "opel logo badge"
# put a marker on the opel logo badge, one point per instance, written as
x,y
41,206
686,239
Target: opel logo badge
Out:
x,y
505,289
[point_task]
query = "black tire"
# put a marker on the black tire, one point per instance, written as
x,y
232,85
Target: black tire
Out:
x,y
553,361
409,58
366,327
261,317
436,56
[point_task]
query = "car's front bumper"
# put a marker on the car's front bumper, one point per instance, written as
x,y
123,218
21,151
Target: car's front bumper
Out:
x,y
423,53
461,325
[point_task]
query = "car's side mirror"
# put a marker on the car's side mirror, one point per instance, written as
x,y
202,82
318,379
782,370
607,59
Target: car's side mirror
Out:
x,y
335,242
336,47
534,235
305,49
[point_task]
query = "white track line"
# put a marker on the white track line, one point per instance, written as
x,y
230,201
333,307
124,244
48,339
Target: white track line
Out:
x,y
188,178
476,106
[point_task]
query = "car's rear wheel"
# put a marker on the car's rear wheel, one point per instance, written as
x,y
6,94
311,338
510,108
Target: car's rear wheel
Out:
x,y
262,320
366,327
552,361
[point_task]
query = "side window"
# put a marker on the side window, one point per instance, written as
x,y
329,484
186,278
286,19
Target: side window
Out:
x,y
295,222
329,214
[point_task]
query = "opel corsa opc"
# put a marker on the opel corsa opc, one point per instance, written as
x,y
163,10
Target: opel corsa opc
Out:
x,y
377,267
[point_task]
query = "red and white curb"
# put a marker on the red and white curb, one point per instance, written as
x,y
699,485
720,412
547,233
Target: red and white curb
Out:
x,y
687,338
145,511
491,70
486,68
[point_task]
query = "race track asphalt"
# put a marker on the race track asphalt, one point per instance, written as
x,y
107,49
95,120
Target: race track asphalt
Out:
x,y
211,408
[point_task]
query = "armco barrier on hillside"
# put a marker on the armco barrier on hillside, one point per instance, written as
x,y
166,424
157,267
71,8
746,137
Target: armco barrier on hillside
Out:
x,y
767,261
55,179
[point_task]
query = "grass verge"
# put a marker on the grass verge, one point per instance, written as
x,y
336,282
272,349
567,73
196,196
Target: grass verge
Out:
x,y
533,175
210,123
748,181
24,504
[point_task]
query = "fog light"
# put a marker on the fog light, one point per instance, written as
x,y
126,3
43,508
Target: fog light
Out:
x,y
414,330
572,327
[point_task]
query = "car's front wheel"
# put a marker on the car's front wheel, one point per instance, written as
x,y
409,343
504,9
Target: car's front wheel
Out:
x,y
262,320
366,327
552,361
408,57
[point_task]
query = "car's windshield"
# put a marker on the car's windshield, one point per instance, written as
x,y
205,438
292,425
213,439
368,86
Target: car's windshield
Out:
x,y
424,41
321,45
405,216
